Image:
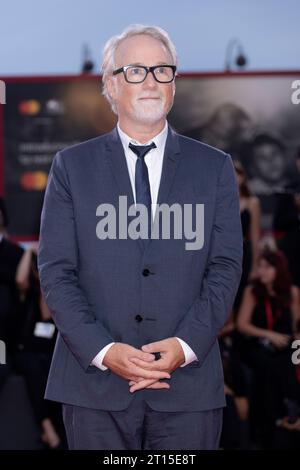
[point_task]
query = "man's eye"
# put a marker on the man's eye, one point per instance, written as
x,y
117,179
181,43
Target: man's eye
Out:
x,y
161,70
136,71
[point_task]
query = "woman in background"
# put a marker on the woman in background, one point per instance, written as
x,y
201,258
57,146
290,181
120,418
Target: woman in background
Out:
x,y
268,318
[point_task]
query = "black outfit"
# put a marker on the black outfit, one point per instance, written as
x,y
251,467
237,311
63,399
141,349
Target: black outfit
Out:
x,y
268,363
10,255
235,433
282,320
3,212
247,259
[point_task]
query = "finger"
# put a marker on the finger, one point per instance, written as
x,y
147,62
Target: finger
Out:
x,y
149,384
156,385
143,355
135,381
159,385
155,365
141,385
154,347
149,374
149,365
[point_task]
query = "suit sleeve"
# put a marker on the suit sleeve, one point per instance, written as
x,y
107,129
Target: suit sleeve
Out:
x,y
207,315
58,264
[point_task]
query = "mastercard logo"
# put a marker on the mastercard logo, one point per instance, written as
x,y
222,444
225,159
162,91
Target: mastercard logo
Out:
x,y
29,107
34,181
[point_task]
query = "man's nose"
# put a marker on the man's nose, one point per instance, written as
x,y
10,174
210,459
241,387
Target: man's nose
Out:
x,y
150,81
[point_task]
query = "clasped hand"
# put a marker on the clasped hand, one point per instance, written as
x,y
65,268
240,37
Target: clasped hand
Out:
x,y
140,368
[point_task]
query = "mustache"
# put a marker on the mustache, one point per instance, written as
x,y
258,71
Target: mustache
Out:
x,y
149,96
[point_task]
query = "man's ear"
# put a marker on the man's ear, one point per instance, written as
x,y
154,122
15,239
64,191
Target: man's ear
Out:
x,y
111,87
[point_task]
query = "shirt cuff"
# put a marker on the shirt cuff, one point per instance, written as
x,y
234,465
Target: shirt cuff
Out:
x,y
98,360
189,354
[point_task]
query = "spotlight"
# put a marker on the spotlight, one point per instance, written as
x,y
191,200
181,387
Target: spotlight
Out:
x,y
87,62
238,59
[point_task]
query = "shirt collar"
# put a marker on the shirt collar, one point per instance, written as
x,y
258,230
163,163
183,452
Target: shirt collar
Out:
x,y
159,139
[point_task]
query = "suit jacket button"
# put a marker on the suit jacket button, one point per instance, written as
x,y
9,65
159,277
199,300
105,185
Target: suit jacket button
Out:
x,y
138,318
146,272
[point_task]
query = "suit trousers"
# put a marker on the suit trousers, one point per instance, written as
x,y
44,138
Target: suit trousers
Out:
x,y
141,428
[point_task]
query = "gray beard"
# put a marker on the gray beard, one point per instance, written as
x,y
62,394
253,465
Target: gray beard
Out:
x,y
150,114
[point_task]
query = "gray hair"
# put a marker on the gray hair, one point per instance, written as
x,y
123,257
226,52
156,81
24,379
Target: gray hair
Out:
x,y
108,62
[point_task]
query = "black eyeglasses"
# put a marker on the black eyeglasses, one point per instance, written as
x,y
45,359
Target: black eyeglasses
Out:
x,y
138,73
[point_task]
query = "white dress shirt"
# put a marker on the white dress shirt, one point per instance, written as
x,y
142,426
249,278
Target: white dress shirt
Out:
x,y
154,162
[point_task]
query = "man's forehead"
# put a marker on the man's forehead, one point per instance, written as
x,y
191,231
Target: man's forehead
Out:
x,y
140,49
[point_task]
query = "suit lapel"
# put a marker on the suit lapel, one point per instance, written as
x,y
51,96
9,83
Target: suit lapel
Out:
x,y
171,160
172,157
170,164
117,162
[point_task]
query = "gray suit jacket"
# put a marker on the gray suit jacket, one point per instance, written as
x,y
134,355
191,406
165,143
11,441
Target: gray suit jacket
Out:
x,y
98,292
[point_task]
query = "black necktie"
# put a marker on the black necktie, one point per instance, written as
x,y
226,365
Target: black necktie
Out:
x,y
142,185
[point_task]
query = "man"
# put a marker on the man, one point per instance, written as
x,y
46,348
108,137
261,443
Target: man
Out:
x,y
137,362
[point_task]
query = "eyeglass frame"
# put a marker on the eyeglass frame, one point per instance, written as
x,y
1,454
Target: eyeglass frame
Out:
x,y
147,69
